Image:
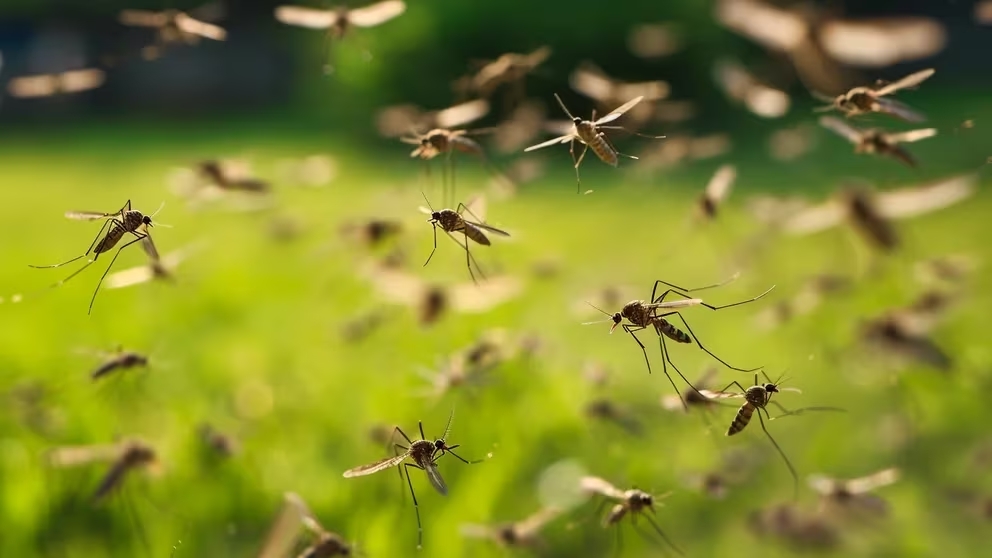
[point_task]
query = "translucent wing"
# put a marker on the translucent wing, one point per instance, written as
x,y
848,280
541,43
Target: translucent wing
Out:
x,y
434,476
590,81
909,202
310,18
75,81
380,465
377,13
823,484
900,110
670,304
201,28
719,186
912,80
88,215
476,531
550,142
488,228
27,87
472,299
815,219
597,485
149,247
868,483
841,128
618,112
710,394
461,114
143,18
130,277
883,41
70,456
770,26
912,135
530,526
286,527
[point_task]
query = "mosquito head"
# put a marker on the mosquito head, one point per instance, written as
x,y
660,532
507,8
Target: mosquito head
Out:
x,y
617,318
771,388
638,500
147,220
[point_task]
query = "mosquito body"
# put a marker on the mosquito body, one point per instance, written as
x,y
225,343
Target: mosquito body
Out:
x,y
509,69
172,27
451,221
863,100
590,133
285,531
119,360
854,495
422,454
799,528
124,458
876,141
517,534
632,502
125,221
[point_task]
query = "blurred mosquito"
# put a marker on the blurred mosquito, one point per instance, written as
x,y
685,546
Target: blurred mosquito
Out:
x,y
285,531
398,120
231,176
736,466
117,224
124,458
876,141
741,86
716,191
47,85
424,454
643,315
801,529
371,232
444,141
451,221
756,399
693,397
906,340
174,27
158,268
590,134
853,496
862,100
219,443
509,69
119,359
338,21
608,410
632,502
517,534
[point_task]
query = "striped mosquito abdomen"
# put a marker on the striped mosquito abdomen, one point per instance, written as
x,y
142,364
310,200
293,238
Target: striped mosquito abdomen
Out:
x,y
663,326
129,223
590,136
476,235
742,419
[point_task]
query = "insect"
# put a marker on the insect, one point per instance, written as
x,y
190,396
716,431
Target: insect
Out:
x,y
285,530
655,40
642,315
229,175
451,221
608,410
589,80
118,224
632,502
740,86
863,100
509,69
756,399
517,534
716,191
47,85
870,213
902,338
119,360
692,397
397,120
877,141
124,457
683,148
424,455
853,495
158,268
590,134
443,141
217,442
371,232
172,27
736,466
799,528
339,21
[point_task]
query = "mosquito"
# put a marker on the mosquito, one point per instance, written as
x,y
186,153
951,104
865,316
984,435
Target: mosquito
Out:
x,y
158,268
601,408
642,315
119,360
632,502
47,85
509,69
901,338
172,27
853,495
117,224
743,87
692,397
517,534
228,176
756,399
717,190
217,442
590,134
868,99
371,232
876,141
443,141
799,528
451,221
285,530
424,454
124,457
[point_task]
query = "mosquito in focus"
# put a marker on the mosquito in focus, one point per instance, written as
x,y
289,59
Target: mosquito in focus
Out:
x,y
756,399
642,315
124,458
864,100
590,134
285,531
632,502
876,141
853,496
517,534
424,454
451,221
118,224
172,27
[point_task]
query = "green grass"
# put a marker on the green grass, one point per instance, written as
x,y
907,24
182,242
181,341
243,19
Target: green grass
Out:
x,y
248,341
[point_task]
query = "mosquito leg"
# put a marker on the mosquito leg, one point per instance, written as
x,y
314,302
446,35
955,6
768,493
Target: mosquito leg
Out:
x,y
405,437
416,506
396,450
462,459
99,237
664,368
585,147
680,290
470,259
738,303
792,470
662,534
732,384
435,246
138,237
631,329
709,352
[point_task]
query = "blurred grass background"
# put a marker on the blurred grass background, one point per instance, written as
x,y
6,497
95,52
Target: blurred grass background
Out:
x,y
249,339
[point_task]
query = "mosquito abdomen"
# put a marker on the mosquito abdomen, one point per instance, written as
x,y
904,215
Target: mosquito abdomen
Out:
x,y
590,136
110,240
741,420
671,332
476,235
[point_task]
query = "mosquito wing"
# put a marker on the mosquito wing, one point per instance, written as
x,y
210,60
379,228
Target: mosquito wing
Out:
x,y
768,25
670,304
375,14
823,484
75,81
910,202
899,110
461,114
530,526
912,135
143,18
589,80
380,465
310,18
434,476
719,186
487,228
880,42
130,277
476,531
88,215
868,483
815,219
710,394
473,299
912,80
282,535
596,485
27,87
550,142
618,112
203,29
841,128
70,456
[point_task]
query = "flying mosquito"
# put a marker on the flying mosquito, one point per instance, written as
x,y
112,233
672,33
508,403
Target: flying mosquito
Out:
x,y
876,141
517,534
591,81
862,100
756,399
339,21
642,315
801,529
424,454
117,224
590,134
124,458
716,191
451,221
442,141
608,410
47,85
692,397
904,340
509,69
172,27
632,502
371,232
231,176
285,531
158,268
853,495
119,359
